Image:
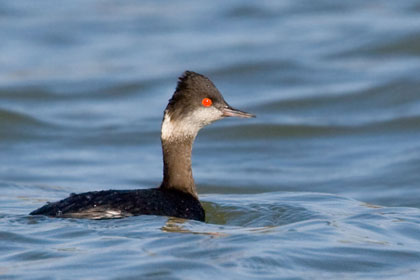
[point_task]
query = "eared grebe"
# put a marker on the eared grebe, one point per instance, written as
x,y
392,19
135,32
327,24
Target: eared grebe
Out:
x,y
195,104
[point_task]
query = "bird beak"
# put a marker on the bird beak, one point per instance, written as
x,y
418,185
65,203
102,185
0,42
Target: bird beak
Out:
x,y
231,112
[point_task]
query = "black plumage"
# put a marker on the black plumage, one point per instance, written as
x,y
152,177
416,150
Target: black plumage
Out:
x,y
125,203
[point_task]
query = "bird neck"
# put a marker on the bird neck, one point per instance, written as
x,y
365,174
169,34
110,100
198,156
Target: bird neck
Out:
x,y
177,171
177,149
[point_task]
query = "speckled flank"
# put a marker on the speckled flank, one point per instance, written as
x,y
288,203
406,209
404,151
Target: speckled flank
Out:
x,y
124,203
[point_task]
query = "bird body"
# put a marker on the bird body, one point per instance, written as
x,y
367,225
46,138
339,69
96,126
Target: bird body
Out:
x,y
125,203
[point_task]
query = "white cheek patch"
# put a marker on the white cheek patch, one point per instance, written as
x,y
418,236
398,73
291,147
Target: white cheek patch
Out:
x,y
205,115
190,125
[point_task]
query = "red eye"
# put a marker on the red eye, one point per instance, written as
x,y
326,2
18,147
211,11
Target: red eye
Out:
x,y
206,102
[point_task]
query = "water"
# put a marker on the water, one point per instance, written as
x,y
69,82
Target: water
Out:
x,y
323,184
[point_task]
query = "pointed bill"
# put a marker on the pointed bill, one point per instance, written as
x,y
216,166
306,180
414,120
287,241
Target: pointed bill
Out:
x,y
232,112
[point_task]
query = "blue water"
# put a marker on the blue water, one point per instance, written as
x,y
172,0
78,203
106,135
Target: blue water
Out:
x,y
323,184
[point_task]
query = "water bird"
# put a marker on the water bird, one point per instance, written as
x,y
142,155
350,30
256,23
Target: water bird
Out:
x,y
195,103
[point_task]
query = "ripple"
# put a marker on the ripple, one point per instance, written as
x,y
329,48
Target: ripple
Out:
x,y
285,131
407,44
383,96
16,126
10,119
17,238
258,210
26,94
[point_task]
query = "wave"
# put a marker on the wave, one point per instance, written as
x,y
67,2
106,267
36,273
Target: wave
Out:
x,y
12,119
273,130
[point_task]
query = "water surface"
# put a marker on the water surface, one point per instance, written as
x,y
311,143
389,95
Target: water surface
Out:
x,y
323,184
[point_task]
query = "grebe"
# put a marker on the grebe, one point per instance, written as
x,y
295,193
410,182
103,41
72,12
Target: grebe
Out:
x,y
196,103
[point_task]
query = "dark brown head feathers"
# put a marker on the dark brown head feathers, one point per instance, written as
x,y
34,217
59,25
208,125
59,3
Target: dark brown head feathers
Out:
x,y
190,91
190,79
